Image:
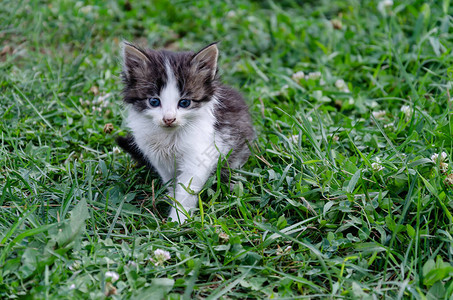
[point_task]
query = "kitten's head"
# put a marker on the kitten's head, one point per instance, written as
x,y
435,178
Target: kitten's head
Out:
x,y
170,88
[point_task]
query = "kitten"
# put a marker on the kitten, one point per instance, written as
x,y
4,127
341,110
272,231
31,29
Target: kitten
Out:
x,y
182,118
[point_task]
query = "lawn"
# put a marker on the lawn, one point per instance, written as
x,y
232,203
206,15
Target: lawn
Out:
x,y
348,192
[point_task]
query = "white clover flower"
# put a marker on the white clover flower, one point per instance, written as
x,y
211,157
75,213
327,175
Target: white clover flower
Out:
x,y
310,119
435,157
449,179
379,114
75,265
313,75
407,110
231,14
112,275
160,256
298,76
222,235
94,89
387,3
443,166
132,264
325,99
377,167
384,5
87,9
72,287
374,104
317,94
294,138
100,102
341,85
116,150
225,237
103,97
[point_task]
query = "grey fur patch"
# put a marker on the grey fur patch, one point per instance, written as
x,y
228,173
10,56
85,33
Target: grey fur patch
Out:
x,y
234,124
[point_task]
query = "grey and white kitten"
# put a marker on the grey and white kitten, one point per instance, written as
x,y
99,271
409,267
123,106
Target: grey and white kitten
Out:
x,y
182,119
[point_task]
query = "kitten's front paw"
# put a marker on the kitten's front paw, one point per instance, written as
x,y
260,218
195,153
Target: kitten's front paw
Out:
x,y
177,216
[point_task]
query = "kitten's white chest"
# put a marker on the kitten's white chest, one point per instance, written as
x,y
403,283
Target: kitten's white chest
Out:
x,y
169,148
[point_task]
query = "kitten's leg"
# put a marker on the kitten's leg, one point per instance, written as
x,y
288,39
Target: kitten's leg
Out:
x,y
166,171
194,173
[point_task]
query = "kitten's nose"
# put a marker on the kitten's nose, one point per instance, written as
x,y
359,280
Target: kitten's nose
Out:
x,y
169,121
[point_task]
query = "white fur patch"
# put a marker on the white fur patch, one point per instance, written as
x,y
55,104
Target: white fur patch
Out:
x,y
170,95
191,148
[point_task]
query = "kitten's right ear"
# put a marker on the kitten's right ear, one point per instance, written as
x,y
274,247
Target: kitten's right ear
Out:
x,y
133,57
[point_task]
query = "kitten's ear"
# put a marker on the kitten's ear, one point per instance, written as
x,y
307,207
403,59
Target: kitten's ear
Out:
x,y
206,59
133,57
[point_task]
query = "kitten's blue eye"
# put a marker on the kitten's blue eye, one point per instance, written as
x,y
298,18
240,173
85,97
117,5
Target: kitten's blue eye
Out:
x,y
184,103
154,102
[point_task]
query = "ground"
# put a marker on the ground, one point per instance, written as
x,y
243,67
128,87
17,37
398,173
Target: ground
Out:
x,y
348,192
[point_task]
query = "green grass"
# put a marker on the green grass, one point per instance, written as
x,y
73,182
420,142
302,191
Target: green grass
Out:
x,y
334,202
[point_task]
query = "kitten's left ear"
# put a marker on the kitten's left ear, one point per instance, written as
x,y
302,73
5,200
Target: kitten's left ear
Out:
x,y
206,59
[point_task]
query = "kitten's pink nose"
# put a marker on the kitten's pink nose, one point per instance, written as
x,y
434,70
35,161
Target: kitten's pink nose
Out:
x,y
169,121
